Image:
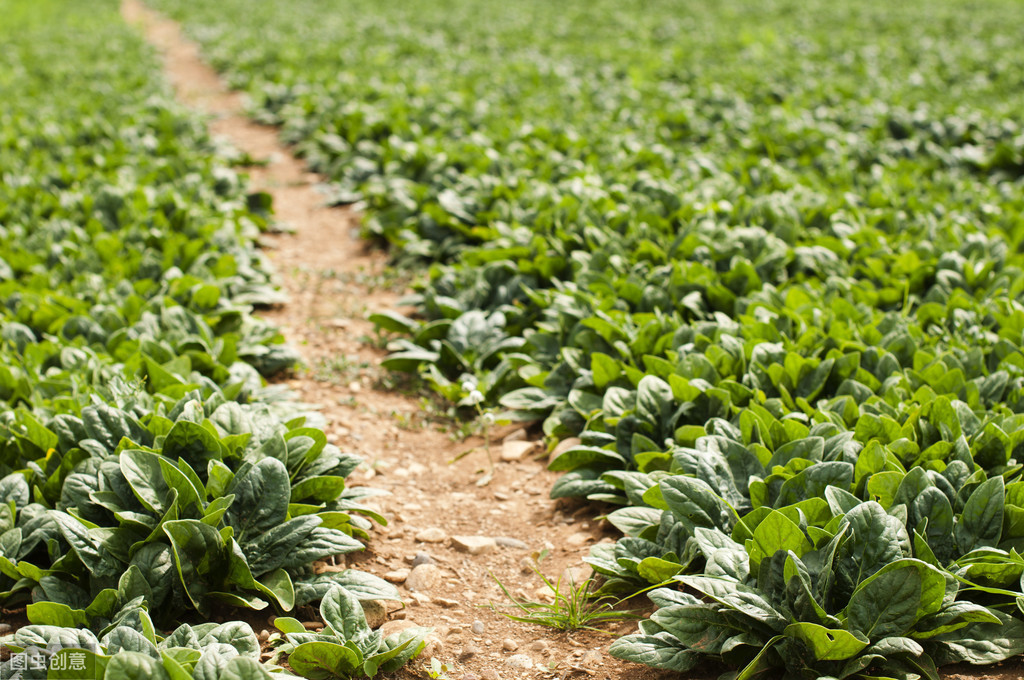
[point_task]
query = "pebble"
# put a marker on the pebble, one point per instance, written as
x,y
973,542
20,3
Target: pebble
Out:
x,y
489,674
509,645
312,625
520,661
544,594
432,535
574,577
515,436
539,646
474,545
515,450
527,565
477,627
397,576
423,577
469,651
392,627
579,539
509,542
434,647
563,446
446,603
470,676
592,658
421,598
422,558
323,568
501,496
264,634
376,613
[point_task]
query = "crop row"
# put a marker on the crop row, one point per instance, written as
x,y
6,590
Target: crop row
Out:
x,y
762,259
148,473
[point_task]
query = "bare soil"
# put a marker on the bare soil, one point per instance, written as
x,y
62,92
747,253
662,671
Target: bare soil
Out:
x,y
333,279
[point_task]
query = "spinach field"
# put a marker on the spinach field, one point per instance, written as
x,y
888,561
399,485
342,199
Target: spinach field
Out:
x,y
761,261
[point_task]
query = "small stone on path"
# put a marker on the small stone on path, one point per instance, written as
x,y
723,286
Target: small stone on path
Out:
x,y
574,577
515,450
432,535
540,646
509,542
376,613
477,627
474,545
392,627
434,647
592,658
563,446
509,645
579,539
520,661
490,674
422,558
544,594
514,436
397,576
423,577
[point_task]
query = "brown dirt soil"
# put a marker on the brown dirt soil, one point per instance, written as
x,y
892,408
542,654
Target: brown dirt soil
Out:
x,y
333,279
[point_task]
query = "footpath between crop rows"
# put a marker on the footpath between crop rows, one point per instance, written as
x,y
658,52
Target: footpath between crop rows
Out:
x,y
332,281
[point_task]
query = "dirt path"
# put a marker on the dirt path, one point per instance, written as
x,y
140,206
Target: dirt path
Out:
x,y
332,280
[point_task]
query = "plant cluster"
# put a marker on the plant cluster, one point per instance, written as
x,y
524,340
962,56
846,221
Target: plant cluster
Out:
x,y
762,258
571,606
130,649
148,474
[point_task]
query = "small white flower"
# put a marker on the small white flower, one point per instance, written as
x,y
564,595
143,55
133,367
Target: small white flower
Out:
x,y
468,386
475,397
488,418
